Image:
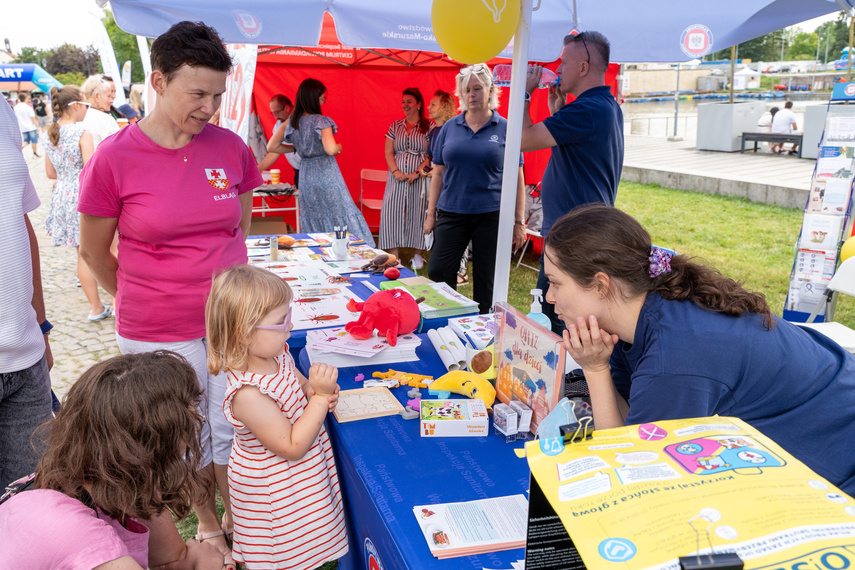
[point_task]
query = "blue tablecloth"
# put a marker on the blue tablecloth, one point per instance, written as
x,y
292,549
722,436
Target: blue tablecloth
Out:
x,y
298,338
386,469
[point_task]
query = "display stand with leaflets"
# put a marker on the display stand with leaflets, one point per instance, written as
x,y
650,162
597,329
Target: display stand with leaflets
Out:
x,y
827,221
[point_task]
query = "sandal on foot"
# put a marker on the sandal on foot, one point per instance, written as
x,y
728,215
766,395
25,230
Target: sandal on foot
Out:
x,y
228,560
462,278
108,310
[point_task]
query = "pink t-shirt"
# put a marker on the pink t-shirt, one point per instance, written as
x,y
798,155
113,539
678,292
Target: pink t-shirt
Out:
x,y
48,529
179,224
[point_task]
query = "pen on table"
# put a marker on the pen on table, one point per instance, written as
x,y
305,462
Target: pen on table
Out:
x,y
471,342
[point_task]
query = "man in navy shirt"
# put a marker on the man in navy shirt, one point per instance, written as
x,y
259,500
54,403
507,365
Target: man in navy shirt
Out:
x,y
586,137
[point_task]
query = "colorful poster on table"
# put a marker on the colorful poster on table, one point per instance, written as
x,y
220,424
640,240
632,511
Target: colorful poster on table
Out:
x,y
531,363
640,497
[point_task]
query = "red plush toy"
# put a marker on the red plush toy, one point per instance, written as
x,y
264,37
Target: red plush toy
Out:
x,y
391,312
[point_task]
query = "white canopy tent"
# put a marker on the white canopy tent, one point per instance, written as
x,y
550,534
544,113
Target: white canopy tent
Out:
x,y
655,30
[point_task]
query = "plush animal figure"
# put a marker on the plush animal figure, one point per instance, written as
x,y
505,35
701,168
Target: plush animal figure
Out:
x,y
392,313
463,383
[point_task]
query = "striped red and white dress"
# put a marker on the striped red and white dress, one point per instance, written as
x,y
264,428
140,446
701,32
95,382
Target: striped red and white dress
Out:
x,y
287,514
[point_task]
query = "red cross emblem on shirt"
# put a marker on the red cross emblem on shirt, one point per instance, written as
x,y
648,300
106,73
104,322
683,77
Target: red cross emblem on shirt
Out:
x,y
217,178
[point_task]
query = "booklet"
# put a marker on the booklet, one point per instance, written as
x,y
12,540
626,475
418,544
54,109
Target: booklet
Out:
x,y
478,331
311,312
530,363
310,273
474,527
820,231
440,300
642,496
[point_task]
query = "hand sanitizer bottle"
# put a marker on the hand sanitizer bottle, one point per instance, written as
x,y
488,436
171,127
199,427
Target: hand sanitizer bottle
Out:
x,y
536,313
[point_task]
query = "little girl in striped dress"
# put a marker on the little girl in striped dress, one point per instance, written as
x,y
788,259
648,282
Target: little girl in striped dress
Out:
x,y
285,496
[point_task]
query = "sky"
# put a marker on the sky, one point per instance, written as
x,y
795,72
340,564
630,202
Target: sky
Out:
x,y
51,23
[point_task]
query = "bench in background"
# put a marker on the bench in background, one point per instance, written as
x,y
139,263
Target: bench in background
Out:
x,y
770,138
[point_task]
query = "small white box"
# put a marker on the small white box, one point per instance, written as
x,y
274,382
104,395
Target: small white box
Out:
x,y
504,419
524,415
453,418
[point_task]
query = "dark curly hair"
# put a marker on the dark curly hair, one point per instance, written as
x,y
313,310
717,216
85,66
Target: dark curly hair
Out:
x,y
598,238
189,43
128,433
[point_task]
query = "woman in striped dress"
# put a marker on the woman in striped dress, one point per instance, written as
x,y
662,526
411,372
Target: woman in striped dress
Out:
x,y
405,199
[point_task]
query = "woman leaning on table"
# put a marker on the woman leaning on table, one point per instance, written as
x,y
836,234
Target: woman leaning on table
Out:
x,y
662,337
405,199
179,190
466,186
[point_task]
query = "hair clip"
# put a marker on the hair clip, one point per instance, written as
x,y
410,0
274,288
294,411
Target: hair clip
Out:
x,y
660,261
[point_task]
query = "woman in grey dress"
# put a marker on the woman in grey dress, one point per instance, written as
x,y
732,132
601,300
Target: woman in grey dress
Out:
x,y
325,201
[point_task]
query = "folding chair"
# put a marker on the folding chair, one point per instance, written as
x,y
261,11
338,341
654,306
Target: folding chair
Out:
x,y
842,282
529,236
371,199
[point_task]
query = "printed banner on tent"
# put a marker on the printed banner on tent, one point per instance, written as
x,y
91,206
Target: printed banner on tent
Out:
x,y
235,108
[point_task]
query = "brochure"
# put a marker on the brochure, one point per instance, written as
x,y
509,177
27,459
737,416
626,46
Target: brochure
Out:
x,y
311,312
531,363
440,300
640,497
473,527
820,231
302,273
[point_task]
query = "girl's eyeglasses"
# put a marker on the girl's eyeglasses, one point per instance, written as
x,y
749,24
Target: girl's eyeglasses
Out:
x,y
283,327
78,103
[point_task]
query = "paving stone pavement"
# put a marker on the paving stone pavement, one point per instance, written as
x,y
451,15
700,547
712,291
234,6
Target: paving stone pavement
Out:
x,y
76,342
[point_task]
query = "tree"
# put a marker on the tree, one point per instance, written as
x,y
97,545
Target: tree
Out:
x,y
71,59
31,55
803,46
125,47
74,78
834,35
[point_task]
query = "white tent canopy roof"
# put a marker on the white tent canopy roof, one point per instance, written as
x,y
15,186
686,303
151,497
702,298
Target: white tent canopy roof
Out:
x,y
638,31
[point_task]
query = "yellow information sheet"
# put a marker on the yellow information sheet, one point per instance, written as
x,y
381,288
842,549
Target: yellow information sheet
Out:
x,y
640,497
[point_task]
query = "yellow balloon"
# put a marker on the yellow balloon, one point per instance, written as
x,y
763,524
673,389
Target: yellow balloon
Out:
x,y
474,31
848,249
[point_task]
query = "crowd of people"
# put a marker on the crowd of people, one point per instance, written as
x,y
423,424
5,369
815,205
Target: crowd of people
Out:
x,y
206,395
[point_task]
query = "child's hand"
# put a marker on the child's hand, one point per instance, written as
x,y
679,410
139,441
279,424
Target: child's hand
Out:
x,y
589,345
333,400
322,379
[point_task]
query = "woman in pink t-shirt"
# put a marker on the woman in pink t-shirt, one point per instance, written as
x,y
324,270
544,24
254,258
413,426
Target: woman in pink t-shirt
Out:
x,y
121,454
179,191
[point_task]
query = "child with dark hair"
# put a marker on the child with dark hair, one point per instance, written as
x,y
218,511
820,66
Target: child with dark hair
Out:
x,y
660,337
122,453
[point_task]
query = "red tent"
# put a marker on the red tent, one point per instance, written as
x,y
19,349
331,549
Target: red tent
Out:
x,y
364,95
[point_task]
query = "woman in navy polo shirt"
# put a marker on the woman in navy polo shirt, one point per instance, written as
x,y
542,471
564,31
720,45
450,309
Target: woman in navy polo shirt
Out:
x,y
662,337
466,186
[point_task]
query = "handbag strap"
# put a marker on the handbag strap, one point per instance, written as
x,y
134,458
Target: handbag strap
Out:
x,y
23,484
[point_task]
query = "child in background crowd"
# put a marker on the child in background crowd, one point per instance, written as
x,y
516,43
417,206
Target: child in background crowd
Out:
x,y
284,488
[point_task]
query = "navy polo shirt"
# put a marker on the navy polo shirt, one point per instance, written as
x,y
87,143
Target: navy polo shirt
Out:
x,y
472,183
793,384
586,164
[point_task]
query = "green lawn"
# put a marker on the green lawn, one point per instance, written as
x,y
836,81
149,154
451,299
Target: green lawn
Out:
x,y
752,243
